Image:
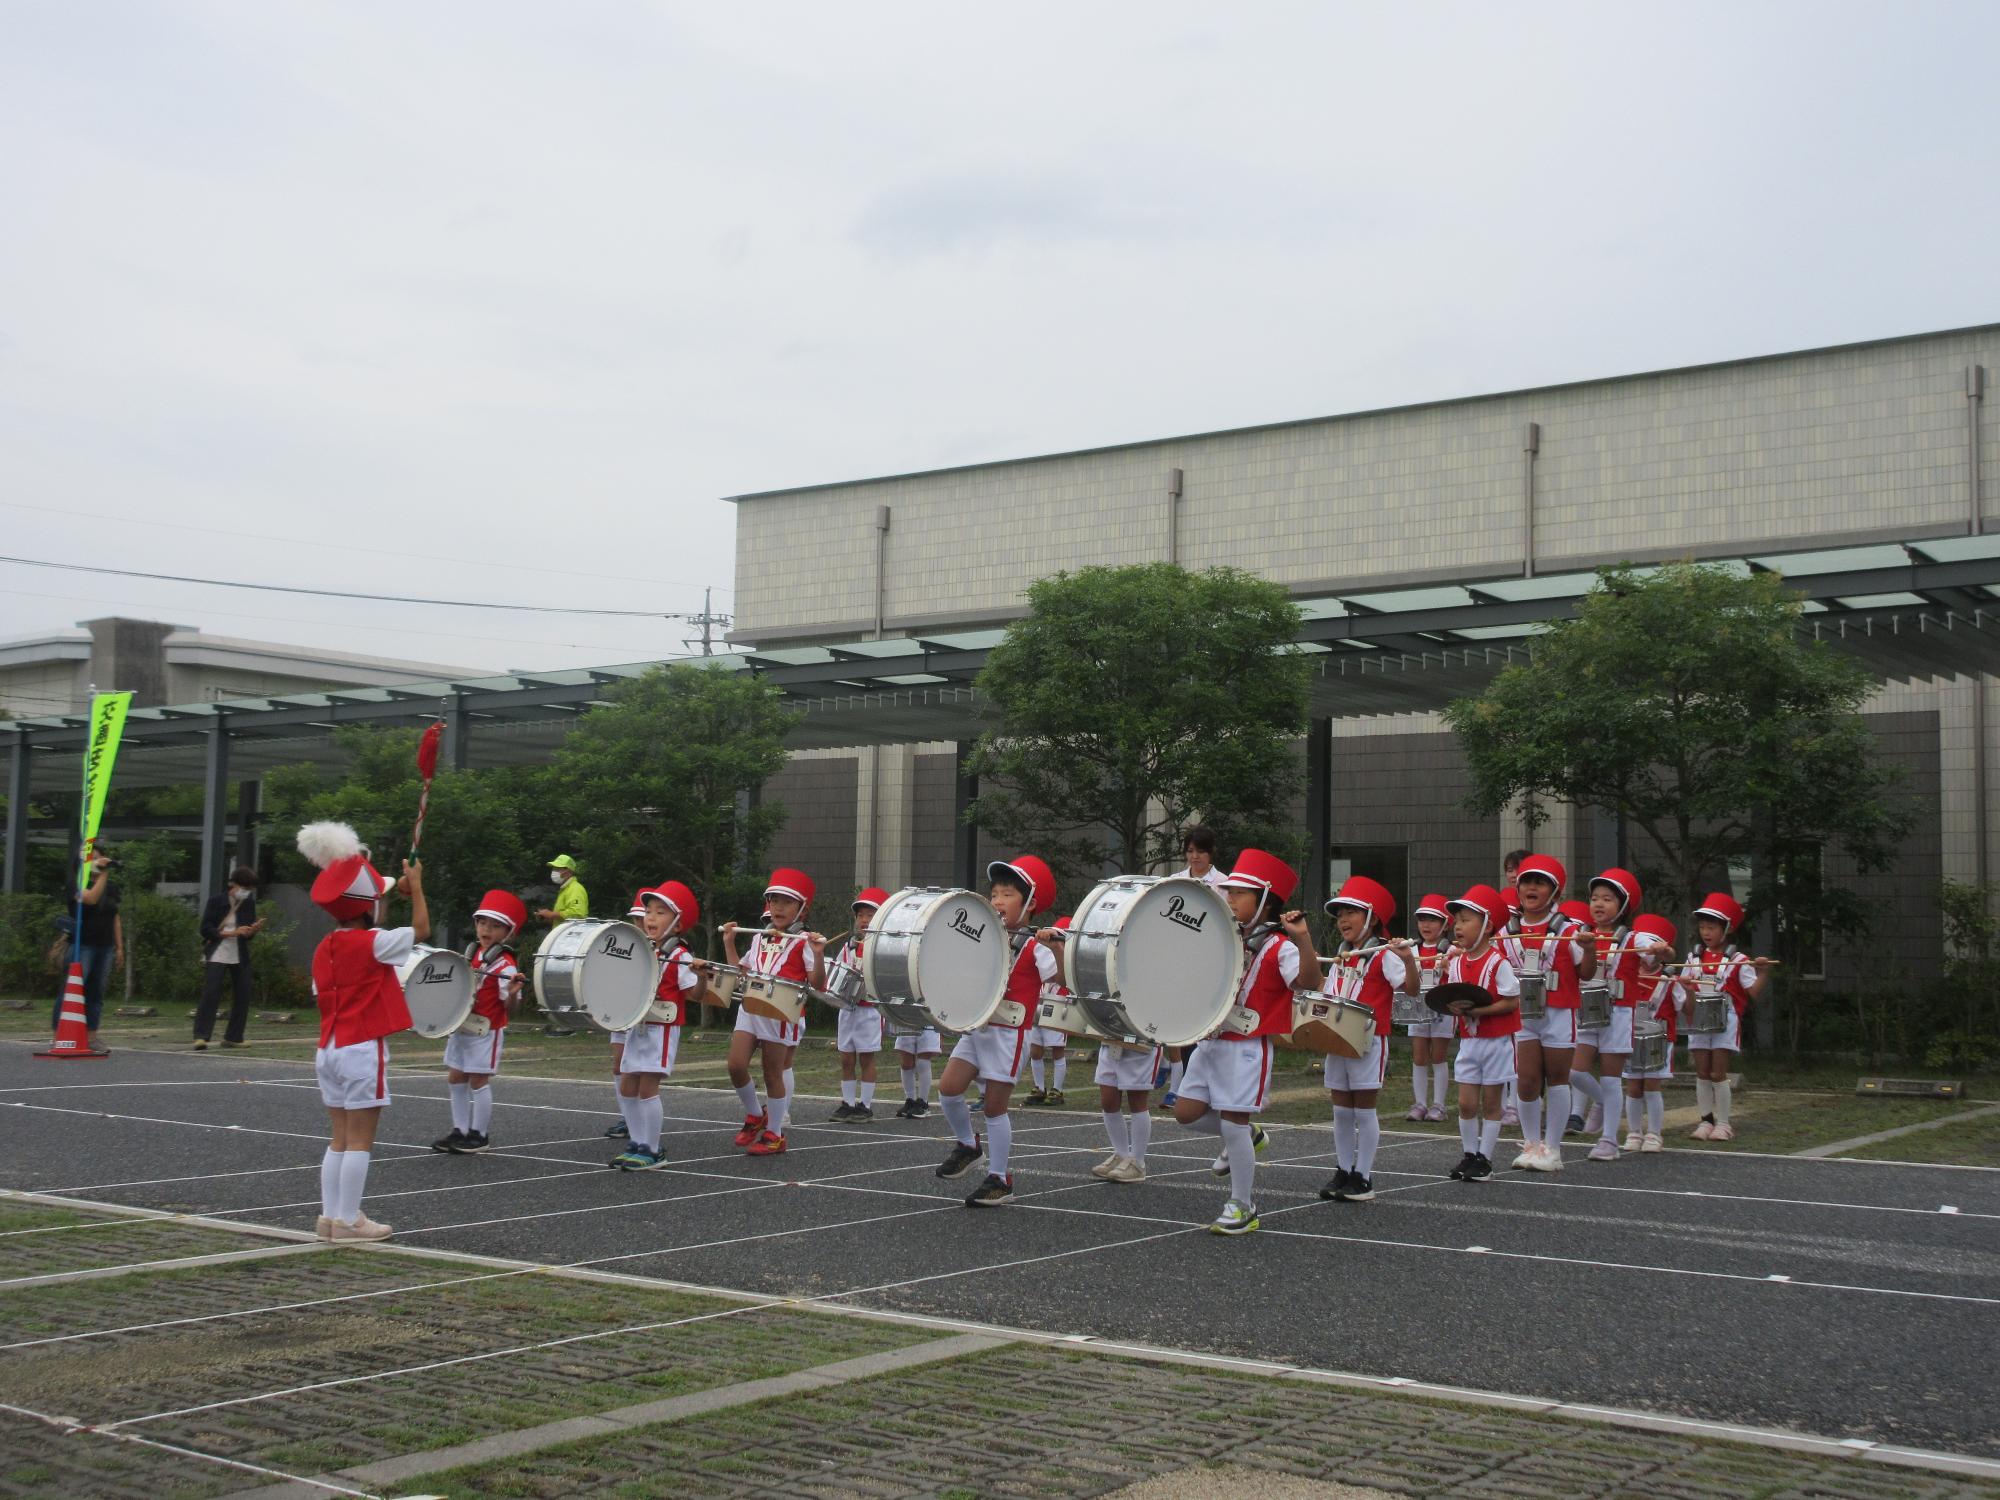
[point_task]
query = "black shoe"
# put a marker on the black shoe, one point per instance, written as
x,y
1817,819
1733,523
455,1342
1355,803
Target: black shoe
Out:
x,y
1573,1125
908,1111
472,1141
845,1112
1359,1189
449,1142
919,1110
864,1112
991,1193
1463,1171
618,1132
962,1156
1480,1170
1336,1186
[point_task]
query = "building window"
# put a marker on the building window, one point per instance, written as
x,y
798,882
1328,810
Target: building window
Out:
x,y
1388,863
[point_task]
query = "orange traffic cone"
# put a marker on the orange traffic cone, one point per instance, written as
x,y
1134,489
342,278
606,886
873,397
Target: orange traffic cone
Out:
x,y
72,1031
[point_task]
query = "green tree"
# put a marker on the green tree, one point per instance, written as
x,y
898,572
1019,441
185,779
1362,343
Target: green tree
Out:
x,y
1685,701
652,788
1132,701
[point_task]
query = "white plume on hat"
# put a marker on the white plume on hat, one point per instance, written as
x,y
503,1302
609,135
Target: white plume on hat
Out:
x,y
326,843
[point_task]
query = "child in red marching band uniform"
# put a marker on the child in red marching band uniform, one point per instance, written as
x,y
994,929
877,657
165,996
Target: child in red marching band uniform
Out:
x,y
858,1032
1655,993
622,1131
1487,1032
1125,1075
1430,1040
1369,967
1540,939
361,1004
1717,962
1023,887
1615,898
471,1061
1229,1077
666,912
783,954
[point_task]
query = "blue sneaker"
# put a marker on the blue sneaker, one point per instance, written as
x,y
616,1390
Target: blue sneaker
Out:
x,y
1167,1100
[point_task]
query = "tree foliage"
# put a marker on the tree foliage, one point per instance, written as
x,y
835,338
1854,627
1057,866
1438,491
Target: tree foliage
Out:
x,y
1132,701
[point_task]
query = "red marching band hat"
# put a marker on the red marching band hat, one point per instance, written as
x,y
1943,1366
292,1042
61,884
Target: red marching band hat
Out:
x,y
1625,883
1545,865
1434,905
1657,928
873,896
638,906
503,906
1576,911
1488,903
1370,895
794,883
1032,870
347,885
1255,870
1722,906
678,899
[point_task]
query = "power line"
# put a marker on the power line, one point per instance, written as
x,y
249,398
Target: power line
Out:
x,y
286,588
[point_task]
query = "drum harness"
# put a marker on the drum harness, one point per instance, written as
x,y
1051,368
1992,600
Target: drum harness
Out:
x,y
1560,928
480,957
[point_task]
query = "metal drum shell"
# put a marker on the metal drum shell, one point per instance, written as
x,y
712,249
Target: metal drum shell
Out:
x,y
438,988
1650,1047
1101,925
1708,1015
1534,997
893,958
562,965
1594,1008
846,986
1409,1010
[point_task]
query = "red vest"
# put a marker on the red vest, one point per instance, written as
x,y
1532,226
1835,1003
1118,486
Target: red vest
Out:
x,y
673,970
1024,981
763,957
1267,992
1564,988
1479,971
1656,993
1619,975
360,998
1736,975
1360,978
498,969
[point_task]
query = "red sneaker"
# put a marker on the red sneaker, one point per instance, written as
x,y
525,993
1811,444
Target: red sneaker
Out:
x,y
767,1144
753,1126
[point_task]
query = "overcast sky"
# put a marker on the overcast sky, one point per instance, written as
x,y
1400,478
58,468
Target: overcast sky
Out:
x,y
494,301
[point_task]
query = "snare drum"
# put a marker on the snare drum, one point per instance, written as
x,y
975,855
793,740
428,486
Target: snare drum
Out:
x,y
1594,1009
1649,1046
1323,1024
775,999
601,972
1534,995
935,957
1410,1010
1709,1015
438,988
845,986
724,981
1156,959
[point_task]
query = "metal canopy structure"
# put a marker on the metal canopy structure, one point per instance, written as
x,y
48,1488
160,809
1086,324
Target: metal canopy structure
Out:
x,y
1910,611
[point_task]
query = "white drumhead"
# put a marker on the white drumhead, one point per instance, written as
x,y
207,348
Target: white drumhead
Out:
x,y
437,987
617,976
1178,958
963,959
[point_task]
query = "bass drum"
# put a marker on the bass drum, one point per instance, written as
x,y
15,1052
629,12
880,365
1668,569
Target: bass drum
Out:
x,y
600,972
438,989
1155,959
936,957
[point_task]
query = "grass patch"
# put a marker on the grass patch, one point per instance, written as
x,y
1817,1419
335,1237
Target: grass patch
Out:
x,y
1971,1142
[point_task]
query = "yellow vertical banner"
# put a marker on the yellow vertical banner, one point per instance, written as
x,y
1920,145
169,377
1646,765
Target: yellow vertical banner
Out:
x,y
107,727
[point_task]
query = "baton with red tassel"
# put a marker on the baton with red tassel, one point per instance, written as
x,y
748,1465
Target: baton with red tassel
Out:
x,y
427,764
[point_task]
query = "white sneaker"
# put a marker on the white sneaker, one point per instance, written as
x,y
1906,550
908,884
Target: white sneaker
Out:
x,y
1220,1166
1510,1116
363,1228
1235,1218
1632,1140
324,1228
1723,1131
1652,1143
1604,1150
1128,1170
1416,1112
1530,1159
1108,1168
1702,1131
1593,1121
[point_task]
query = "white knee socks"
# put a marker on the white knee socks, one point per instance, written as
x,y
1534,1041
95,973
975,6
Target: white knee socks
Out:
x,y
1441,1083
1241,1148
1141,1127
353,1177
1058,1070
1556,1117
1420,1078
1722,1088
1368,1136
746,1095
1531,1120
958,1115
999,1143
1343,1137
625,1103
461,1106
847,1091
924,1078
868,1094
1035,1068
1115,1132
1489,1138
1635,1115
647,1117
791,1087
1704,1096
329,1182
779,1111
910,1082
1468,1133
482,1109
1587,1085
1656,1113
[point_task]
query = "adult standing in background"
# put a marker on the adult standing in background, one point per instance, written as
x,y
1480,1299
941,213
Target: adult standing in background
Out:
x,y
572,900
228,923
101,949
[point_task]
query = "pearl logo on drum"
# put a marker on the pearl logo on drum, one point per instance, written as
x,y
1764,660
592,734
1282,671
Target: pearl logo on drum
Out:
x,y
614,949
431,974
1177,913
960,923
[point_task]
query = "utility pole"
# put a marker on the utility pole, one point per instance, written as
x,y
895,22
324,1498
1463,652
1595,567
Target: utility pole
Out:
x,y
708,619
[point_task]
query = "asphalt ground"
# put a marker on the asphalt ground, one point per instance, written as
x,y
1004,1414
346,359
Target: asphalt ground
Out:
x,y
1838,1298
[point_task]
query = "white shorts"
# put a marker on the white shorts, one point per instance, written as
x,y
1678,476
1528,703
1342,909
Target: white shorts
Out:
x,y
998,1052
1048,1037
1615,1039
1231,1076
1484,1060
859,1030
353,1077
923,1043
475,1054
1359,1074
1130,1070
1441,1029
1729,1039
767,1030
651,1048
1557,1028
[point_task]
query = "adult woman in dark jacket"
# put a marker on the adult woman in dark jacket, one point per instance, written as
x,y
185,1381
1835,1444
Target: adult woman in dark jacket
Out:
x,y
228,923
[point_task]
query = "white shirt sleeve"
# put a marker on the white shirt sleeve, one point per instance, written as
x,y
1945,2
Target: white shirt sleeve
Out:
x,y
1045,964
1505,981
394,944
685,976
1288,960
1393,970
